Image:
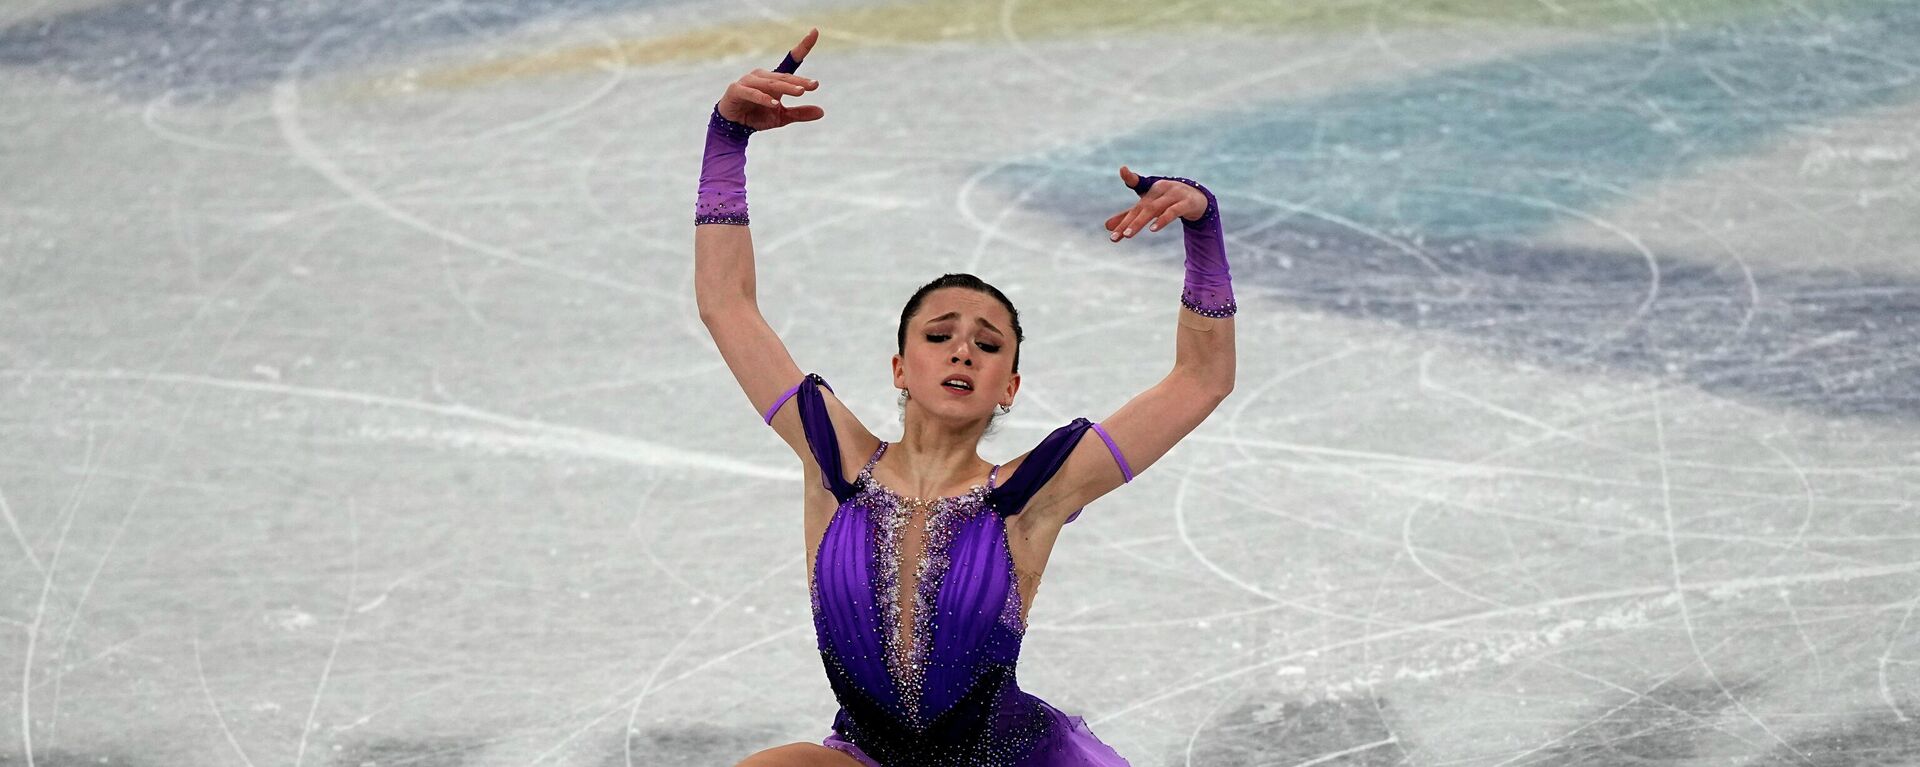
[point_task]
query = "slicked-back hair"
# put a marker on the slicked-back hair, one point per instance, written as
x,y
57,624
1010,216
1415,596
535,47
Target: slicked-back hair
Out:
x,y
969,282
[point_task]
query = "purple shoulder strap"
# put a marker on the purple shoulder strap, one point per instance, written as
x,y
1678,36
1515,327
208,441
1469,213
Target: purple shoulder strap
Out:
x,y
817,423
783,400
1045,461
1126,472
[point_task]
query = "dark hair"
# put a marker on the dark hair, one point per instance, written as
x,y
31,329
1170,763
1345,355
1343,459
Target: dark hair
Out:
x,y
959,281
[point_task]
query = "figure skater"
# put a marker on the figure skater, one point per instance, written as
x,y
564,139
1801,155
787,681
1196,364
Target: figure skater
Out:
x,y
923,567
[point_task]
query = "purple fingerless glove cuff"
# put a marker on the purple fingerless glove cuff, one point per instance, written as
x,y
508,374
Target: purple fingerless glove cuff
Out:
x,y
723,171
1209,288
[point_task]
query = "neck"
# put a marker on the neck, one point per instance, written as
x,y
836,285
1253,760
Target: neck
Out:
x,y
935,455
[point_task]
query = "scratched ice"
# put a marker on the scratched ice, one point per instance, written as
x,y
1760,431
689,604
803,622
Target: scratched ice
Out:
x,y
356,409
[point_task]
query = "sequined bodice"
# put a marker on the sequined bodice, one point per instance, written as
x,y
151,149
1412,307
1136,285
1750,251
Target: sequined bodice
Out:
x,y
917,613
911,554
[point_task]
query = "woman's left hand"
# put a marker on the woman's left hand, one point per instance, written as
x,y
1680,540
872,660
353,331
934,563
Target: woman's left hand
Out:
x,y
1163,202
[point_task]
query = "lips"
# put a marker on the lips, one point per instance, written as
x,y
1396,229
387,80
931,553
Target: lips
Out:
x,y
944,384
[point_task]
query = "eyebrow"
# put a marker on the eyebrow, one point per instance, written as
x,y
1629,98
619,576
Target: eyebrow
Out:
x,y
952,315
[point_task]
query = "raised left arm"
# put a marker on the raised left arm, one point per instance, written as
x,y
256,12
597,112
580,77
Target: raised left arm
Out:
x,y
1155,420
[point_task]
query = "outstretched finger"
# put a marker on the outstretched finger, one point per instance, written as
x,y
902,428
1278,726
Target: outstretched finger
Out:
x,y
1123,228
1143,215
774,87
807,113
780,76
752,95
1161,221
799,52
805,83
1118,222
1137,223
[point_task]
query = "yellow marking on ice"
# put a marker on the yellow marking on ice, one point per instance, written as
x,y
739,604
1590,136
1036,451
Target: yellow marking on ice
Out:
x,y
988,20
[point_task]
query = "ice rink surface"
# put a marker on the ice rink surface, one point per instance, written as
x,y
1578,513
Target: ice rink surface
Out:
x,y
356,410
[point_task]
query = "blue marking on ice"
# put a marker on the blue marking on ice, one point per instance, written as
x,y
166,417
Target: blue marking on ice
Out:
x,y
1418,203
1529,138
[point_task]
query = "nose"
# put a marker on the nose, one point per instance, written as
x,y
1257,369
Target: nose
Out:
x,y
969,361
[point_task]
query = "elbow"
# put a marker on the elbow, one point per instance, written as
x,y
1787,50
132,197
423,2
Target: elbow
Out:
x,y
1218,383
1212,386
1223,378
1218,380
713,310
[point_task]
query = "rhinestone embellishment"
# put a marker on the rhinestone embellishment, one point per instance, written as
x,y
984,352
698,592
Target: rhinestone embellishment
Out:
x,y
1222,311
907,656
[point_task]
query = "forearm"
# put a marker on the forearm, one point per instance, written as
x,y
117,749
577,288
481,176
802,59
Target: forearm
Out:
x,y
1203,345
722,244
722,267
1204,351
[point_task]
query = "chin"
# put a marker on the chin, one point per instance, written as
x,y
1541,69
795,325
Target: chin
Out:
x,y
962,413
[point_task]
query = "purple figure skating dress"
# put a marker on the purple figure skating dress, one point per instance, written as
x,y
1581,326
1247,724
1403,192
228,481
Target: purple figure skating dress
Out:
x,y
945,695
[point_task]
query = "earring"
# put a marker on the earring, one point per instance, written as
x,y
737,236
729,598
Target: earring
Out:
x,y
1004,409
906,395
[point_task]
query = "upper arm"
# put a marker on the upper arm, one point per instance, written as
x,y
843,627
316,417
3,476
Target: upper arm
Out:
x,y
1144,429
765,370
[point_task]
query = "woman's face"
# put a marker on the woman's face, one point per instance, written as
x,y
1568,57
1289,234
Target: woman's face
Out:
x,y
958,332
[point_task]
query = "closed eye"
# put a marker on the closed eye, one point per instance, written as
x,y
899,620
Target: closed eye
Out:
x,y
987,347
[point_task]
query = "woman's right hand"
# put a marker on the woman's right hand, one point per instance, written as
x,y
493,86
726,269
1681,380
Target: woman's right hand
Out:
x,y
754,100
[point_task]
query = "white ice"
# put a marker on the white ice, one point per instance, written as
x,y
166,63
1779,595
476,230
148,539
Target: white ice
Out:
x,y
350,416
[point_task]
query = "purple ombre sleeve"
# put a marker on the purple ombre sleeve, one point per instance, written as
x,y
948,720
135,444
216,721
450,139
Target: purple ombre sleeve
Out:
x,y
723,171
1209,288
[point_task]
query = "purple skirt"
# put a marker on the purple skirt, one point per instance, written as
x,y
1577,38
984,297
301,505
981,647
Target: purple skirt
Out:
x,y
1072,744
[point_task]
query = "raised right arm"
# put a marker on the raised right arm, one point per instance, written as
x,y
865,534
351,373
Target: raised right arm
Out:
x,y
723,255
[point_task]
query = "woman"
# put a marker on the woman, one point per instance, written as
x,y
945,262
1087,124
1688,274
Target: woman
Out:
x,y
922,568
